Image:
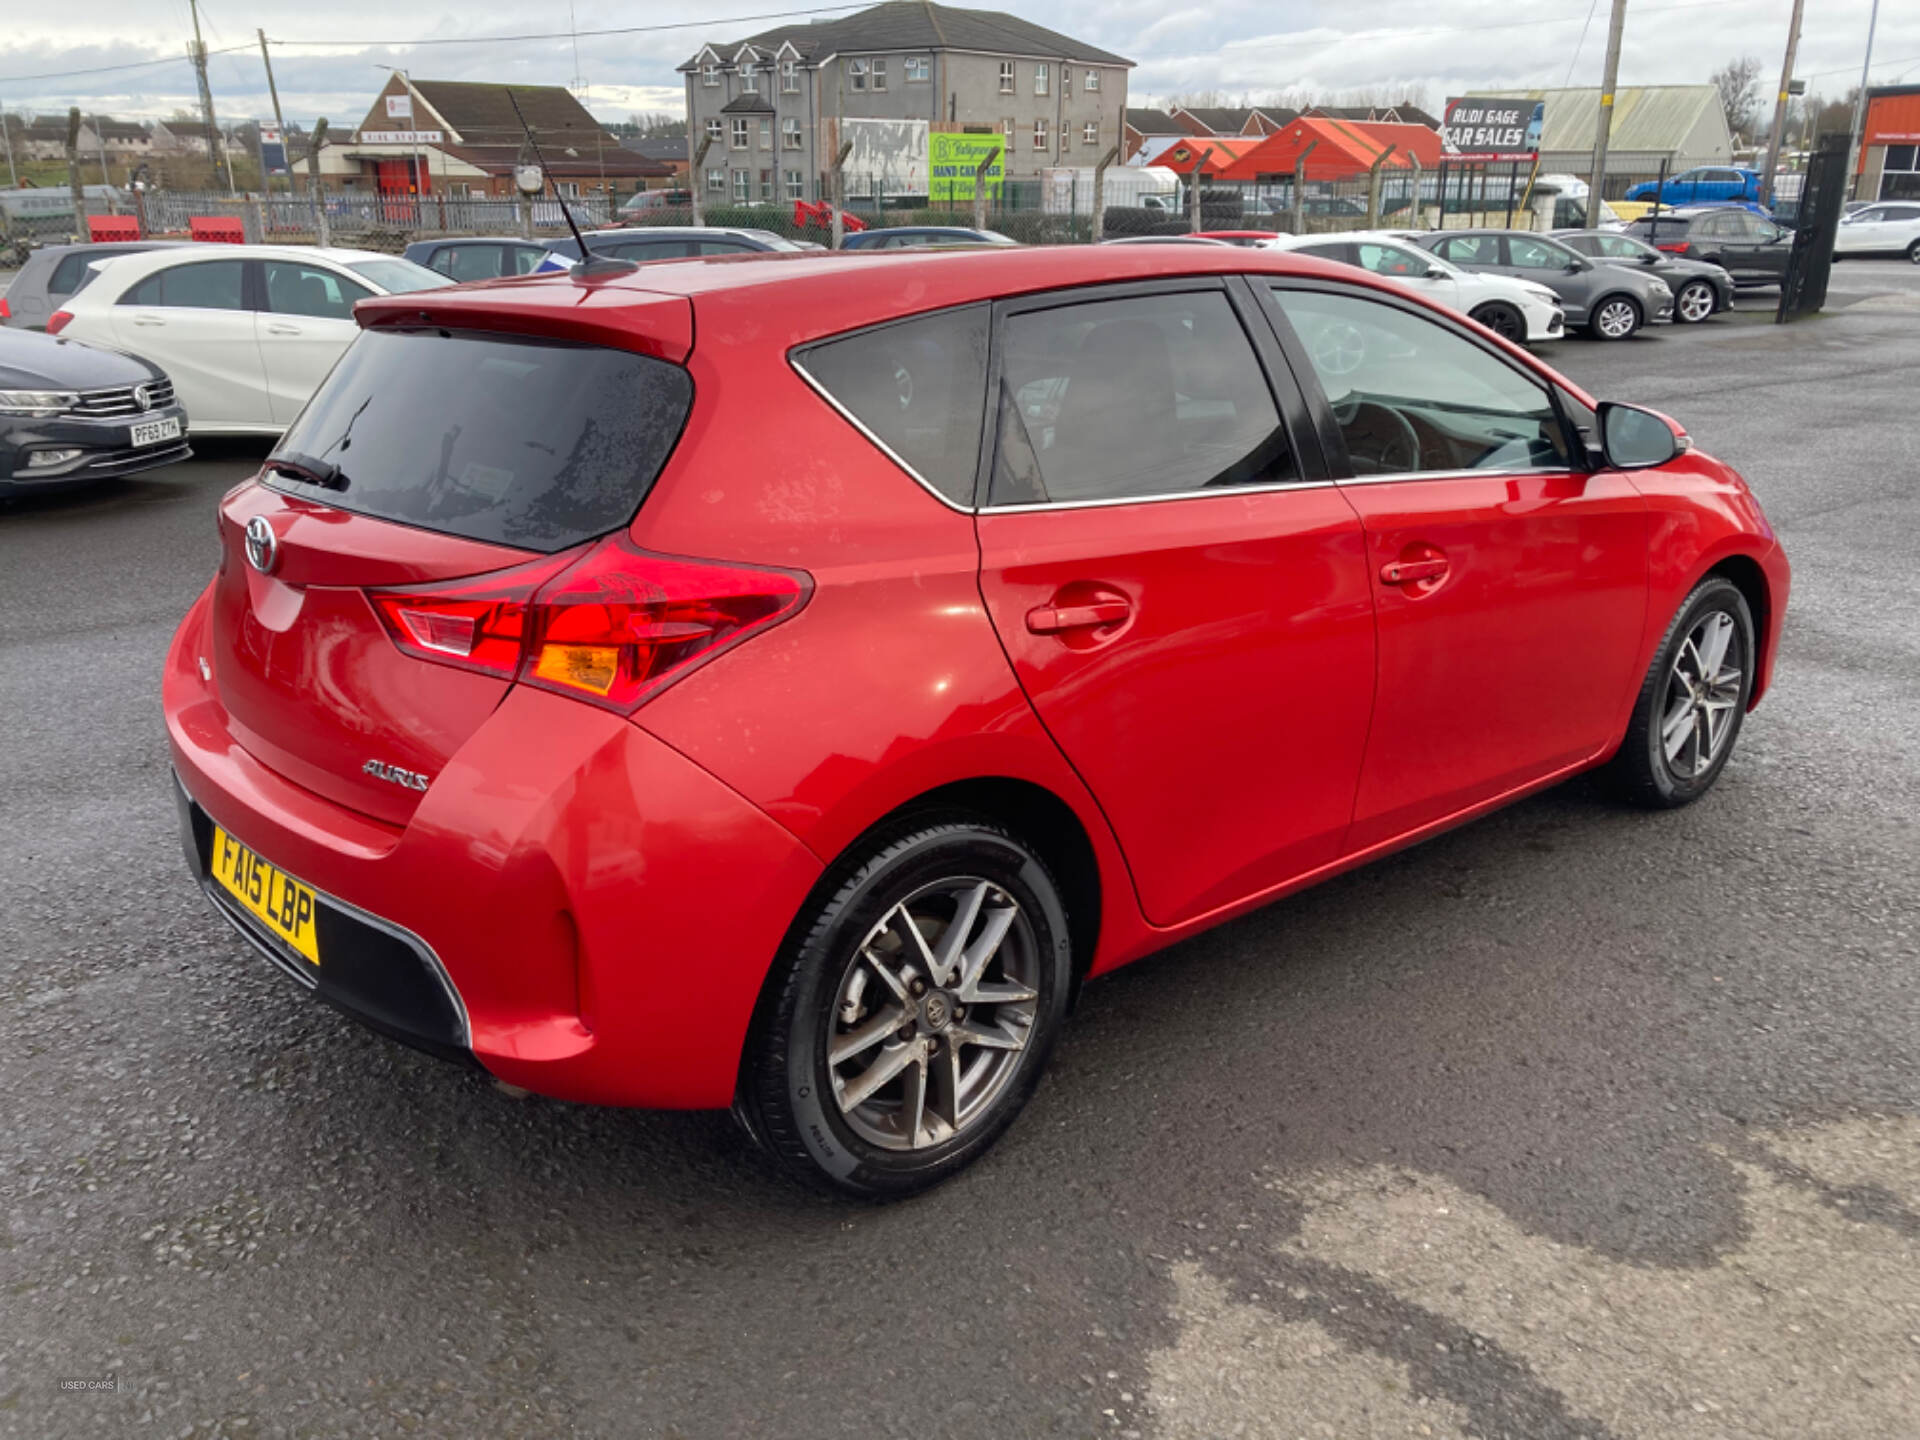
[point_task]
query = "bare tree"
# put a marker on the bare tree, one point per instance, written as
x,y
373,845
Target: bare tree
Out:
x,y
1738,82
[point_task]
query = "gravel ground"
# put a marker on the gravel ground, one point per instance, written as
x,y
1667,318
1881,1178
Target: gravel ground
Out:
x,y
1575,1122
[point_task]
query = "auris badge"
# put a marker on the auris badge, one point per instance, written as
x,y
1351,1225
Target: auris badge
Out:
x,y
407,779
263,546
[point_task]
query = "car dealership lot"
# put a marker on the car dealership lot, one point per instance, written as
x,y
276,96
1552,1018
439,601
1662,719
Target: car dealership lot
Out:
x,y
1574,1122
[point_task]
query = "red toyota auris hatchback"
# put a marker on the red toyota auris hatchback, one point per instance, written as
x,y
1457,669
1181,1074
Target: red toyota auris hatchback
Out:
x,y
777,683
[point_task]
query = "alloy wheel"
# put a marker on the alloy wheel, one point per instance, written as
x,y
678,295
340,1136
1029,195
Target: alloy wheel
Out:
x,y
1503,322
1694,302
1617,319
932,1017
1703,695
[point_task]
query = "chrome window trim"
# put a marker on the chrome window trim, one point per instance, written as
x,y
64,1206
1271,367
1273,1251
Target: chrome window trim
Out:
x,y
1403,475
1222,492
879,444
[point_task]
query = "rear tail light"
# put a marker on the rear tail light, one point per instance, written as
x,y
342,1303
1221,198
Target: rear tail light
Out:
x,y
613,626
6,310
1674,247
58,321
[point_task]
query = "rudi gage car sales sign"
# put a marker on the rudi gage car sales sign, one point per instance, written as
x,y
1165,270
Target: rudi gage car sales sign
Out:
x,y
1478,128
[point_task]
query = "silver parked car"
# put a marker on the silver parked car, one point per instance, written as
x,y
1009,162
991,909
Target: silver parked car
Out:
x,y
53,272
1609,302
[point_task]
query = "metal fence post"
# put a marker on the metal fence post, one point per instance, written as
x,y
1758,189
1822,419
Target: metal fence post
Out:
x,y
1300,188
250,220
980,188
1373,187
1193,194
1099,228
839,180
696,182
321,228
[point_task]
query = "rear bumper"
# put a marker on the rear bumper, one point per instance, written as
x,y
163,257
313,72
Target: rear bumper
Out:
x,y
598,912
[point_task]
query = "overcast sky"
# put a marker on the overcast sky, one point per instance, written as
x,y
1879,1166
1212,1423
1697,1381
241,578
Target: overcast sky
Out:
x,y
1250,47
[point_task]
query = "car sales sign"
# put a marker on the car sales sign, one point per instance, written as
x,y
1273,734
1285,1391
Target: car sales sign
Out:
x,y
1479,127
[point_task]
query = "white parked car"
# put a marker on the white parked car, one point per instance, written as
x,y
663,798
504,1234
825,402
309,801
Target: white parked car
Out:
x,y
1891,227
247,332
1516,310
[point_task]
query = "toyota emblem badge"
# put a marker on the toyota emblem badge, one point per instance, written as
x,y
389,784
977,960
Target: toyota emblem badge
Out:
x,y
263,546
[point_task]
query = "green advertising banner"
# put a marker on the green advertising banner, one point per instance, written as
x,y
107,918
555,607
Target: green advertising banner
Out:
x,y
953,159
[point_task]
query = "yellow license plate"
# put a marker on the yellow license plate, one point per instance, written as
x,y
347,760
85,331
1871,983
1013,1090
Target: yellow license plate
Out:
x,y
285,905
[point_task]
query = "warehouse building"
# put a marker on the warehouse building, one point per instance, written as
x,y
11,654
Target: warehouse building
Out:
x,y
1678,126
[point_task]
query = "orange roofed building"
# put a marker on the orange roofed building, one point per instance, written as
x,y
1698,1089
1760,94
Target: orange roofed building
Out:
x,y
1341,149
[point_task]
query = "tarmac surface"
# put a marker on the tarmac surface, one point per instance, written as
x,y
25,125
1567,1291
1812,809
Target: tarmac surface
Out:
x,y
1573,1122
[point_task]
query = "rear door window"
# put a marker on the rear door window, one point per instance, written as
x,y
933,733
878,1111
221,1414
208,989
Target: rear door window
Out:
x,y
294,288
532,443
918,387
1471,249
202,285
469,262
1127,399
1524,254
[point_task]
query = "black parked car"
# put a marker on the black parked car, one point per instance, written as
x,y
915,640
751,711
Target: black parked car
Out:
x,y
1747,246
915,237
485,258
1699,289
72,412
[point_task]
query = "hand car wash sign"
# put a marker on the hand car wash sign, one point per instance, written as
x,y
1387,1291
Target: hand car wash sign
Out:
x,y
1478,127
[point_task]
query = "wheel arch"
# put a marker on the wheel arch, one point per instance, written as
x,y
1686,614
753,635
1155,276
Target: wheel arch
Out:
x,y
1750,579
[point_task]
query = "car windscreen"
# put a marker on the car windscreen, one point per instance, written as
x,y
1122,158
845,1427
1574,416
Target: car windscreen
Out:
x,y
399,277
532,443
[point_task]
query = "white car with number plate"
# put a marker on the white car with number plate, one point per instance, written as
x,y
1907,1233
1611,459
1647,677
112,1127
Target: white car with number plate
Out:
x,y
1516,310
247,332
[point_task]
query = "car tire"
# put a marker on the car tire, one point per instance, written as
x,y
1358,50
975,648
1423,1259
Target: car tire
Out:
x,y
1614,317
1694,303
1913,252
825,1119
1685,720
1503,320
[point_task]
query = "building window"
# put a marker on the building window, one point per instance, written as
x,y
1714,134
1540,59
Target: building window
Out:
x,y
717,181
790,134
1039,79
796,185
570,189
879,74
742,187
1006,77
790,77
766,132
739,132
1093,79
856,75
716,129
1039,134
1006,131
766,184
749,79
919,70
1090,135
710,74
1066,137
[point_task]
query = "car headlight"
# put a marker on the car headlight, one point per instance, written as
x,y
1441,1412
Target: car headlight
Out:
x,y
1541,293
37,402
1660,287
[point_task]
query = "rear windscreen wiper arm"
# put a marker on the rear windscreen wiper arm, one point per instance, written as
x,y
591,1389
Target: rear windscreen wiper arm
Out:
x,y
315,472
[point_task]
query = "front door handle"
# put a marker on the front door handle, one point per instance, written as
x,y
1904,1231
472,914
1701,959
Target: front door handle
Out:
x,y
1408,572
283,329
148,320
1052,619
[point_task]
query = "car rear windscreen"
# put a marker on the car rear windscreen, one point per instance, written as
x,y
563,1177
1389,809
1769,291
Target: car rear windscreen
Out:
x,y
532,443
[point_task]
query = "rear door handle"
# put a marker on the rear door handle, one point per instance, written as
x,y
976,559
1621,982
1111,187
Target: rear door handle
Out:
x,y
1052,619
283,329
148,320
1406,572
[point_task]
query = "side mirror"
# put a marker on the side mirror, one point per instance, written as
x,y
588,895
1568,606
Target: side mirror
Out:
x,y
1633,438
1576,265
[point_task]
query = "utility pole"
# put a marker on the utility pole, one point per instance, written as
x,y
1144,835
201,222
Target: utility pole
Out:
x,y
1860,102
198,53
6,135
78,194
1780,107
266,181
1603,131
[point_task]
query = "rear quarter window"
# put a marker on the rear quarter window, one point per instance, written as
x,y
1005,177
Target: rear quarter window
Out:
x,y
531,443
919,387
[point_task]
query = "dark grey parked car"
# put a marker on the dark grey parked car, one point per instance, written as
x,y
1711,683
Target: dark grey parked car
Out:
x,y
1610,302
70,411
53,272
1700,288
484,257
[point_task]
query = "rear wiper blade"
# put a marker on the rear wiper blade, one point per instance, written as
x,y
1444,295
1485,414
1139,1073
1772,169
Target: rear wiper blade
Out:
x,y
315,472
